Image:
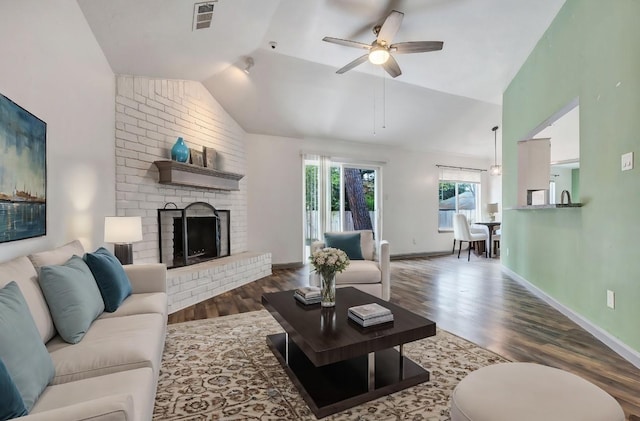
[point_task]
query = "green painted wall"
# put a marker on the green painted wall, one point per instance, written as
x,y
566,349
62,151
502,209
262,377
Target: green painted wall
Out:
x,y
590,51
575,184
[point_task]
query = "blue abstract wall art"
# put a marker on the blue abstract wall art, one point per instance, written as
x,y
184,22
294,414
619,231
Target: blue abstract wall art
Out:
x,y
23,173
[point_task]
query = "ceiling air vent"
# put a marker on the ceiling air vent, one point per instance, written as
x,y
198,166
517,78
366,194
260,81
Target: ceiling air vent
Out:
x,y
202,14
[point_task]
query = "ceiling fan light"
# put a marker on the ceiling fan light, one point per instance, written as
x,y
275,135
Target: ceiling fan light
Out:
x,y
378,55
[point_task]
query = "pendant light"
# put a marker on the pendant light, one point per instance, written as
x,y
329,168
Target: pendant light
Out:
x,y
495,169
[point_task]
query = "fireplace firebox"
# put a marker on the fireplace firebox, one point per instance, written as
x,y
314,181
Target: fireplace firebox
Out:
x,y
195,234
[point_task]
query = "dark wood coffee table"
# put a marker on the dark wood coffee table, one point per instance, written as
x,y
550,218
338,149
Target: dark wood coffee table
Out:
x,y
335,363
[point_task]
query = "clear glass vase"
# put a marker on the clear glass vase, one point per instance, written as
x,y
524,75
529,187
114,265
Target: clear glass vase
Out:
x,y
328,289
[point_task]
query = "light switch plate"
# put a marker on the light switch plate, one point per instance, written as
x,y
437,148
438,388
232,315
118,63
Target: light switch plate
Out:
x,y
611,299
627,161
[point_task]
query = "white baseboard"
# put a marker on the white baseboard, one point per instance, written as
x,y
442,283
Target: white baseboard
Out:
x,y
603,336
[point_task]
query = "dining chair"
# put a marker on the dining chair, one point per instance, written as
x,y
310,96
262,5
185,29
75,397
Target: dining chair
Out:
x,y
462,233
496,241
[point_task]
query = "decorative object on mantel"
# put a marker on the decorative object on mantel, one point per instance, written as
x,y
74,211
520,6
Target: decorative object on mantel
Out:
x,y
196,157
122,231
172,172
180,151
495,169
492,209
209,157
23,185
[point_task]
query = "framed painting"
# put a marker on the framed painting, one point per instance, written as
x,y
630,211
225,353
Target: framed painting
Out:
x,y
209,157
23,173
196,157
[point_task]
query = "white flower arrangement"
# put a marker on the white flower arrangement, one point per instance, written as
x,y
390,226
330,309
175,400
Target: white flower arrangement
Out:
x,y
329,261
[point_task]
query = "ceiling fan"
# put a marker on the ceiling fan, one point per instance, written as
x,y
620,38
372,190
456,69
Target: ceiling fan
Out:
x,y
381,48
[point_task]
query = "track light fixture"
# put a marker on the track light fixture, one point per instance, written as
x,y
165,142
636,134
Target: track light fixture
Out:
x,y
248,64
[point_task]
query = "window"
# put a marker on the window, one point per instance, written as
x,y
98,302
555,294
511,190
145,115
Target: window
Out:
x,y
458,192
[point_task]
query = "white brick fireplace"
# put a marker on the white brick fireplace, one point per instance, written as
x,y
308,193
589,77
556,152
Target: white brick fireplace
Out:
x,y
150,115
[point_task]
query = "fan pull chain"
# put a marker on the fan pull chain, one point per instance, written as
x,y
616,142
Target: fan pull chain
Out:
x,y
374,110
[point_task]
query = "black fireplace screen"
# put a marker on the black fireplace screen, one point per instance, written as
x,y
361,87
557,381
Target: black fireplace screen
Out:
x,y
195,234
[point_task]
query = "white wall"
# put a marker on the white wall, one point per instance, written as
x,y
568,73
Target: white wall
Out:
x,y
494,193
410,194
53,67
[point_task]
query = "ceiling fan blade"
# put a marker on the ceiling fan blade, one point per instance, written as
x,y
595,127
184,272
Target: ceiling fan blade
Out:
x,y
390,27
391,66
353,64
416,47
347,43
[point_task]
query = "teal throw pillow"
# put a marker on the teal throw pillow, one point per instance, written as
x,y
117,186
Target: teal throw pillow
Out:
x,y
349,242
73,297
110,276
11,403
21,348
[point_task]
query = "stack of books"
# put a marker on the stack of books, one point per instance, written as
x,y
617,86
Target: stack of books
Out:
x,y
370,314
308,295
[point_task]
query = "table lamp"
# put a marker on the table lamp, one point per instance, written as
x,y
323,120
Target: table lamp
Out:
x,y
122,231
492,209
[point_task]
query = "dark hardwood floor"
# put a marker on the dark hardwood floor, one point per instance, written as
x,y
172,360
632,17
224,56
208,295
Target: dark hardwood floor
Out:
x,y
476,301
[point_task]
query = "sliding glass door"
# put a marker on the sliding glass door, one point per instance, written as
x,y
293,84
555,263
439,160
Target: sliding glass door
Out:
x,y
339,196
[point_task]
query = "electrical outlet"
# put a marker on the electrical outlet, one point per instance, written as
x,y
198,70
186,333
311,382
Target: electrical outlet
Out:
x,y
627,161
506,251
611,299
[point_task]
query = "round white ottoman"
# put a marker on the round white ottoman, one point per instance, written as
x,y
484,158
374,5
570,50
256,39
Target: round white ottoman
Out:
x,y
528,392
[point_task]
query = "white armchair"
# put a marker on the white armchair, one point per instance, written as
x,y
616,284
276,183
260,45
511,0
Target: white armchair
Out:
x,y
371,275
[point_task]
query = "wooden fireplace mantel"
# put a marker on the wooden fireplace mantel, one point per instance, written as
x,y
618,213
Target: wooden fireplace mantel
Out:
x,y
177,173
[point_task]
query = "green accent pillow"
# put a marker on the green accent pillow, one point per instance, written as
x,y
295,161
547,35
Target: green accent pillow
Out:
x,y
110,276
349,242
21,348
11,403
73,297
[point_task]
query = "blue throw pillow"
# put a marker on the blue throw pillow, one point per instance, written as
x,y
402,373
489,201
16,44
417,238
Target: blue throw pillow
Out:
x,y
349,242
21,347
73,297
110,276
11,403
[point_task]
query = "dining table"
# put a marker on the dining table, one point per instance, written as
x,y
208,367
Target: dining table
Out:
x,y
492,225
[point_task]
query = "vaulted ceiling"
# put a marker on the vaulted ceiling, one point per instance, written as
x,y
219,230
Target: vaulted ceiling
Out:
x,y
444,101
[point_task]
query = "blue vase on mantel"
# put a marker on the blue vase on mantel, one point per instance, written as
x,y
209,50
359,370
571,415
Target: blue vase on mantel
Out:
x,y
180,151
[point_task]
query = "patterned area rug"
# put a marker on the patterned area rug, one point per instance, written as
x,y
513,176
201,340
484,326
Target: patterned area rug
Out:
x,y
222,369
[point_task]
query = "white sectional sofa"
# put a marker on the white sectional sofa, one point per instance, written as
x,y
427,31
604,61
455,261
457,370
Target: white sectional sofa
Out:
x,y
112,373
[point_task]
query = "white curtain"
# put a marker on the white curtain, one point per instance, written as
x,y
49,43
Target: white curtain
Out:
x,y
319,194
460,175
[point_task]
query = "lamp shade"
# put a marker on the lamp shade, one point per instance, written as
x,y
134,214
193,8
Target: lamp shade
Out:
x,y
492,207
122,229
